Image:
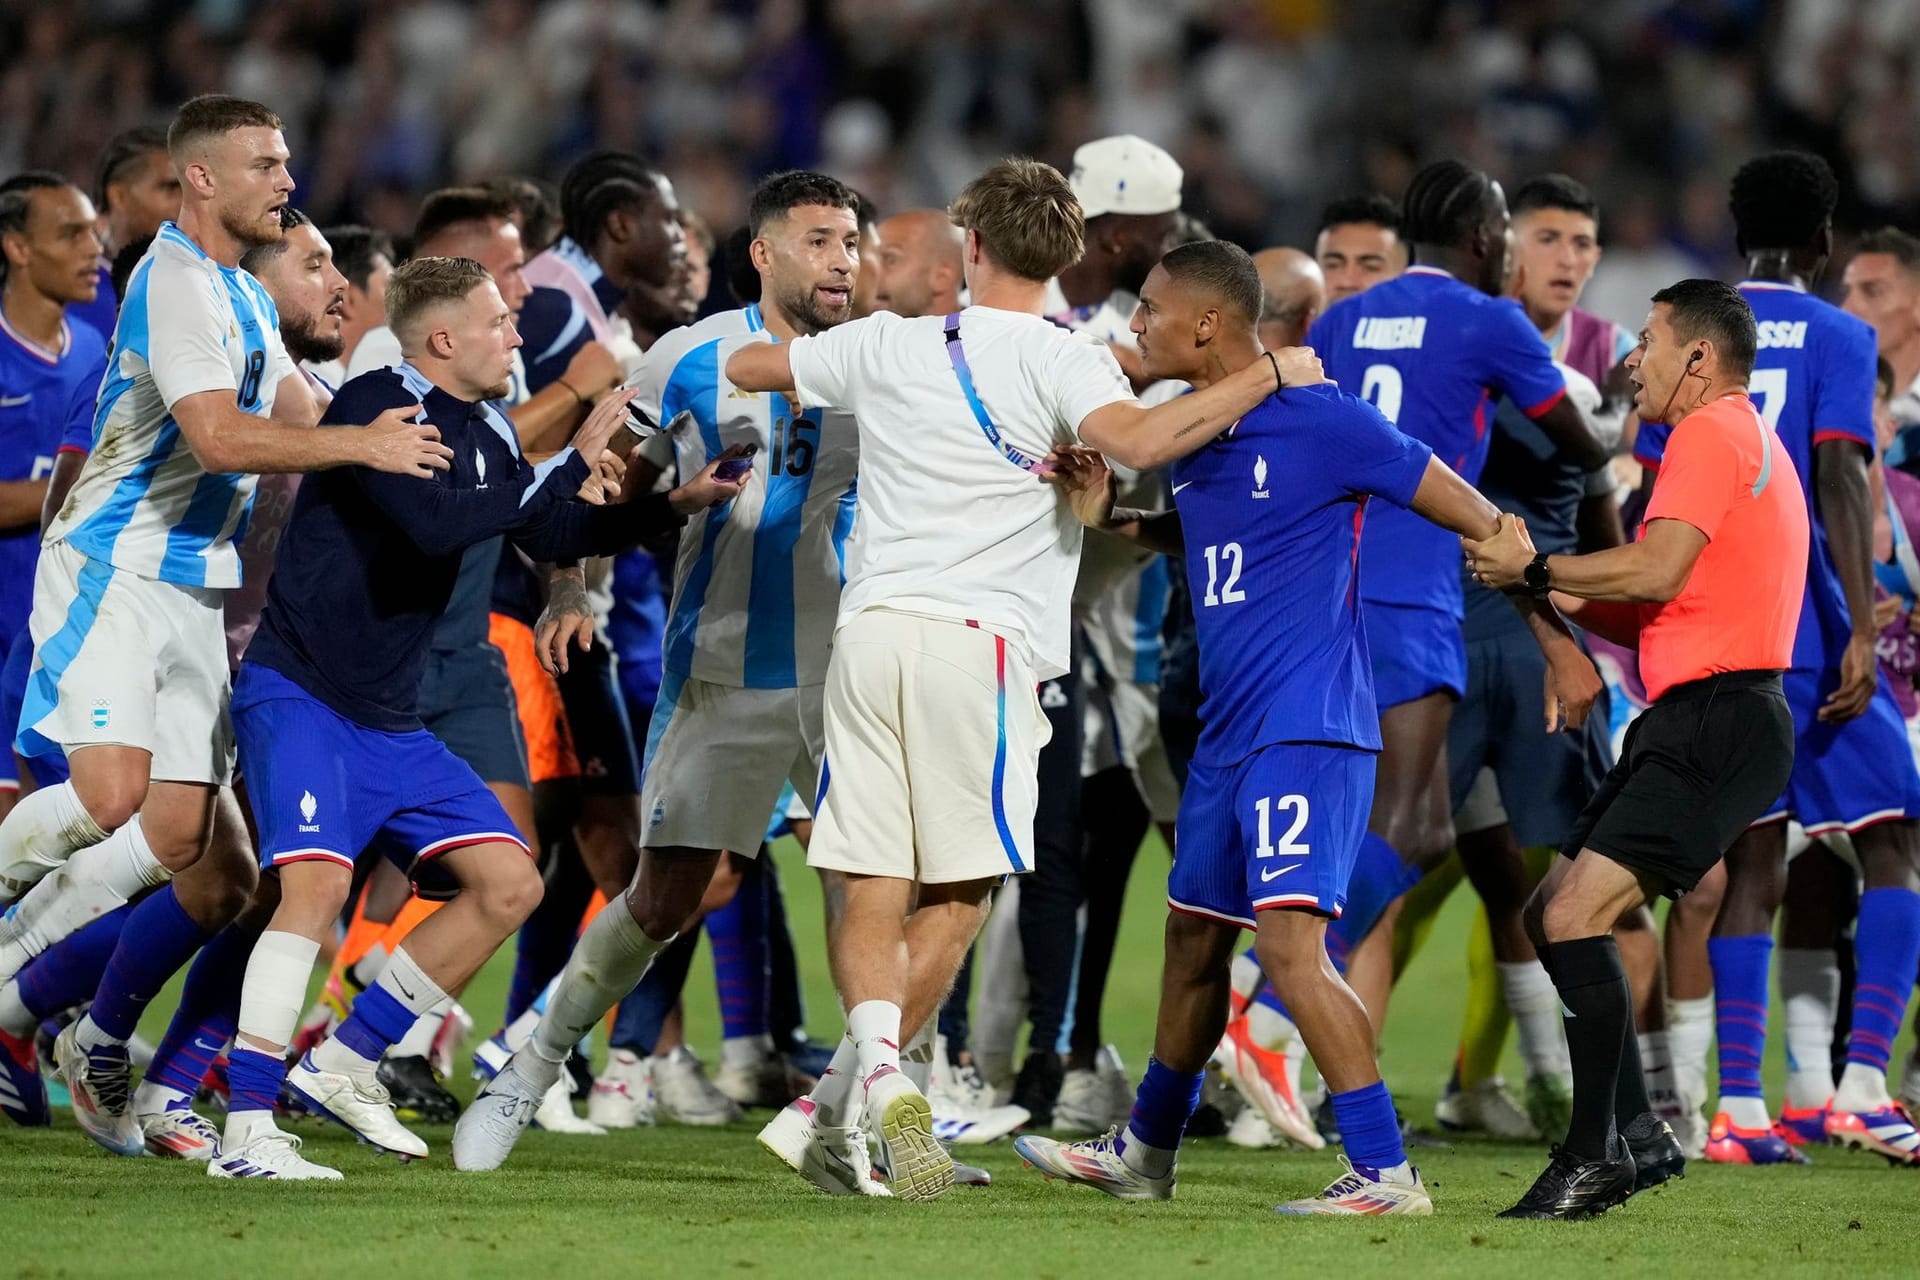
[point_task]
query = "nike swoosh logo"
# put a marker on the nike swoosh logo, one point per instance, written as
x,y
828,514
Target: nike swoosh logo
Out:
x,y
1265,875
214,1049
9,402
1177,488
402,987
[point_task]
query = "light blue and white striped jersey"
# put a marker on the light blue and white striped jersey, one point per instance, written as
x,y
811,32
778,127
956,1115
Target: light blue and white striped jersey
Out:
x,y
756,588
143,502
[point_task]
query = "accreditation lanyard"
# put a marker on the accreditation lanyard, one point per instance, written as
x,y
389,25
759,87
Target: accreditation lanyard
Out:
x,y
958,355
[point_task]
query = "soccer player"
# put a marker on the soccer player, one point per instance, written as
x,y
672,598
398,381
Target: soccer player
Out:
x,y
365,258
1711,593
1813,381
866,283
956,606
1432,349
1358,245
1270,516
1293,293
747,634
50,370
1882,287
129,674
325,706
136,189
919,270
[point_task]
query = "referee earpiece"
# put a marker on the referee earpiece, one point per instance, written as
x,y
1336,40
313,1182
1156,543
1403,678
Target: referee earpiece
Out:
x,y
1694,359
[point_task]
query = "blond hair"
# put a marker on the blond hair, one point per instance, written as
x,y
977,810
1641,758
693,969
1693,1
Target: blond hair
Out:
x,y
1027,217
213,115
424,283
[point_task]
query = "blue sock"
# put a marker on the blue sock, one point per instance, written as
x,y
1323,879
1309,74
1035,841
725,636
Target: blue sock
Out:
x,y
377,1021
1740,967
208,1013
66,973
1163,1104
738,934
1379,877
254,1079
159,937
1886,948
1368,1128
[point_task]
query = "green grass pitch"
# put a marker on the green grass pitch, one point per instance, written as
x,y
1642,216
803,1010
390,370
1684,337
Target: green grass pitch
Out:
x,y
678,1202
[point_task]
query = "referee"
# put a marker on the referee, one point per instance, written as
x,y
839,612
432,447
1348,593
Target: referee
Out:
x,y
1710,594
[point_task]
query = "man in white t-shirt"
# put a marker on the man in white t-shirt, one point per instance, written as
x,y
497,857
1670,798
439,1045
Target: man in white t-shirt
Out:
x,y
959,577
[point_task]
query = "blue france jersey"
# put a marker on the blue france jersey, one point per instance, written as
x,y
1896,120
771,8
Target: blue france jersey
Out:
x,y
46,405
1434,355
1271,513
1812,381
756,588
143,502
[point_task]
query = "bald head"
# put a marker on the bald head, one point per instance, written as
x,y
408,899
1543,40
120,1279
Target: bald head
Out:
x,y
920,263
1296,292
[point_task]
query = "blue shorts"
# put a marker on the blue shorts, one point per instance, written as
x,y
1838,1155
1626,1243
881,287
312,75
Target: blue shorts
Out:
x,y
1545,778
1415,652
466,701
49,770
324,787
1280,828
1846,776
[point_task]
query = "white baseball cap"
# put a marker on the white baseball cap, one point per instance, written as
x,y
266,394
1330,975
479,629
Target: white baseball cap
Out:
x,y
1125,174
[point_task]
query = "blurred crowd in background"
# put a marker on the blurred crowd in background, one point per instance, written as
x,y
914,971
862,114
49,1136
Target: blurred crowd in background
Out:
x,y
1272,106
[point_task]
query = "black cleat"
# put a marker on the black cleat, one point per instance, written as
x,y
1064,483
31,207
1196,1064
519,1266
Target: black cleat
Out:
x,y
1656,1153
579,1075
1038,1088
1572,1188
417,1094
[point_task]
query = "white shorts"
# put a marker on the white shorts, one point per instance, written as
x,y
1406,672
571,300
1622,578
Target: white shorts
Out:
x,y
717,756
127,661
933,741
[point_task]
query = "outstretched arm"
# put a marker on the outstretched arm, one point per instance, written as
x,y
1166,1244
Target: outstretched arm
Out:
x,y
1145,438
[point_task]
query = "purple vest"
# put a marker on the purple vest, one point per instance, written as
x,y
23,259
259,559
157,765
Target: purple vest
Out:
x,y
1590,345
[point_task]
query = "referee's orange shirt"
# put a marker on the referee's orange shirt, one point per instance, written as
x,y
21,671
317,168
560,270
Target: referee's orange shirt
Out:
x,y
1726,474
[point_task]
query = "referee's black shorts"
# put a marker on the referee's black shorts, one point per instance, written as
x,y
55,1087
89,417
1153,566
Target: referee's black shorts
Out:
x,y
1699,767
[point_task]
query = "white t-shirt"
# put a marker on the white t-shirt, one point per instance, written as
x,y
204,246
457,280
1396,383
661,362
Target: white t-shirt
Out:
x,y
948,525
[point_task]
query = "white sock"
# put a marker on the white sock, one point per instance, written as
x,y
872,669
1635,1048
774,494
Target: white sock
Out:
x,y
87,1035
875,1028
1245,976
1810,990
368,968
45,828
275,984
1656,1065
609,960
835,1101
89,884
1535,1006
1862,1088
1689,1041
151,1099
745,1053
916,1057
418,1042
15,1018
1149,1162
1270,1028
1746,1113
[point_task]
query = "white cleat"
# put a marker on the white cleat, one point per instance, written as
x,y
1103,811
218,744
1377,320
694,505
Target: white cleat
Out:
x,y
1251,1131
1353,1194
1488,1107
1096,1162
176,1132
494,1121
455,1029
683,1094
270,1154
964,1113
100,1085
555,1114
1083,1105
832,1159
1260,1076
919,1168
362,1109
767,1083
622,1097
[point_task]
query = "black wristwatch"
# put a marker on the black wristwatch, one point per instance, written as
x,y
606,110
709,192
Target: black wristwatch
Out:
x,y
1539,581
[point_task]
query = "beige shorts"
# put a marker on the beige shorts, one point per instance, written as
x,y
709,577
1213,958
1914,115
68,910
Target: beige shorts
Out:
x,y
716,758
128,661
933,738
